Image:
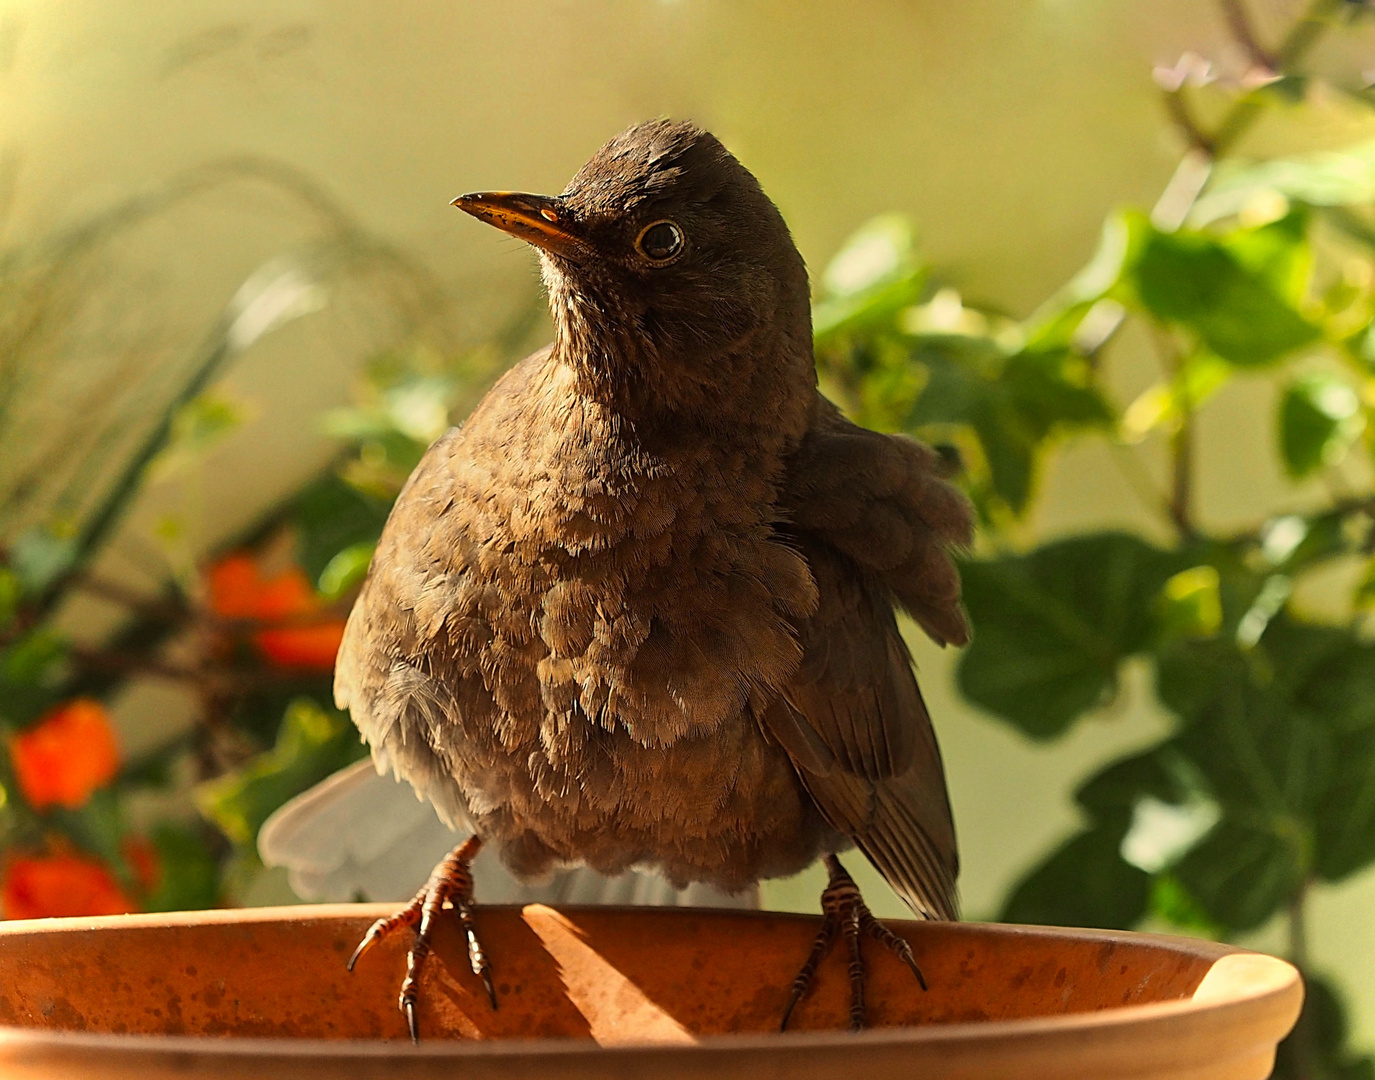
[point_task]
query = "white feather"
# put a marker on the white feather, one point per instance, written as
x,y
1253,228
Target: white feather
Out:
x,y
359,834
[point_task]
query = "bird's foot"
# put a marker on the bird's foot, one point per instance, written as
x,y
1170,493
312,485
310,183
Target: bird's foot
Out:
x,y
843,911
450,885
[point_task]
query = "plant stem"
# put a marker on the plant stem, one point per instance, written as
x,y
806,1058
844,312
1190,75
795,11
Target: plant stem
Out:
x,y
1306,31
1205,147
1182,475
1301,1039
1244,34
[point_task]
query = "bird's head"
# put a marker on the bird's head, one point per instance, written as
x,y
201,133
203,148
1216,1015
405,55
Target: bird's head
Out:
x,y
666,263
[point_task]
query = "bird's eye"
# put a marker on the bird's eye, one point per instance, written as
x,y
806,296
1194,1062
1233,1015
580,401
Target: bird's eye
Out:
x,y
660,242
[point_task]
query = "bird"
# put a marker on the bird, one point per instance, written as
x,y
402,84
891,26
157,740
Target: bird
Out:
x,y
640,608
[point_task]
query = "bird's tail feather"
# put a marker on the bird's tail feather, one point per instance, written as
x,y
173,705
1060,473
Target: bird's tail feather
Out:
x,y
361,835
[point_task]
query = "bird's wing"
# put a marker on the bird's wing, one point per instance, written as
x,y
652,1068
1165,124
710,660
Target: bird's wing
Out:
x,y
875,521
883,502
361,834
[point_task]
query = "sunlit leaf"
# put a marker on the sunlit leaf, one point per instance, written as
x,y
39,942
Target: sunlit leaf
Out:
x,y
876,274
1056,322
1235,292
198,427
1331,178
1319,419
1190,604
346,570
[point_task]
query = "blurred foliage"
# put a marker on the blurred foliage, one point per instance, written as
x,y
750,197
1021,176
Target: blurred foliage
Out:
x,y
1265,786
251,633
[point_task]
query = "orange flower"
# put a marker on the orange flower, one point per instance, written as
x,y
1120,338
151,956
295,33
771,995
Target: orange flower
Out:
x,y
239,591
50,886
313,647
66,755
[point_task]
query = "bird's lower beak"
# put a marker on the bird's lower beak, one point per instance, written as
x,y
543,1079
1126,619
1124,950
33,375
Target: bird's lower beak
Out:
x,y
541,220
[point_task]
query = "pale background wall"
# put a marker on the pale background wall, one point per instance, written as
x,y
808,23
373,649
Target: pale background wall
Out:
x,y
1006,127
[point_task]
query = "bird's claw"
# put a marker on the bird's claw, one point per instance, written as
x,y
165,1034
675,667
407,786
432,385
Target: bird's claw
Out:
x,y
451,886
844,911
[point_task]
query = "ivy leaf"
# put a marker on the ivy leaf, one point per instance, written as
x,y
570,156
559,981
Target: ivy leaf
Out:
x,y
1014,404
1114,791
876,274
1240,874
1345,816
1318,1045
1051,627
1255,749
1085,882
1319,418
312,744
1234,292
331,515
1057,322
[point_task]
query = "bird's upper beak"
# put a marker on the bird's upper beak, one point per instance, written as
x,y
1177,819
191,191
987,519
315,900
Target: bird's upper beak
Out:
x,y
541,220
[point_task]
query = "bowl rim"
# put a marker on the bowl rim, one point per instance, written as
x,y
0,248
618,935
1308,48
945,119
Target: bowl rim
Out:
x,y
1264,987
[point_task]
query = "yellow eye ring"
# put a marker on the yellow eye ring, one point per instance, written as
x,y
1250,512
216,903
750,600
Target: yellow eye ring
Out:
x,y
661,242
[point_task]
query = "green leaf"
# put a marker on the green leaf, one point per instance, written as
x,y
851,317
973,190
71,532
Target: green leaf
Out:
x,y
197,428
1055,324
1171,902
189,874
1319,419
1241,874
39,556
311,745
1084,882
876,274
10,596
1341,178
1190,604
1113,791
1256,750
1318,1047
1234,292
33,659
1345,816
331,515
346,569
1014,403
1052,627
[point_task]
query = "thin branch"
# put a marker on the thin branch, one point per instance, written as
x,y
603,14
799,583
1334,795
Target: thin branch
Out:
x,y
1139,479
1182,116
1244,33
1181,439
1174,204
1298,42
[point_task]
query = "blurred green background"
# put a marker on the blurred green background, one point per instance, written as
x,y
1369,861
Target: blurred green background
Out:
x,y
330,138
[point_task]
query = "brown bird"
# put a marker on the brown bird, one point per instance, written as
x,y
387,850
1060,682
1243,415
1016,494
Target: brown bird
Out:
x,y
639,609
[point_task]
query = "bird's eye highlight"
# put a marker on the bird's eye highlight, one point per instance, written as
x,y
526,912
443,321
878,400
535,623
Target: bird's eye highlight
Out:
x,y
660,242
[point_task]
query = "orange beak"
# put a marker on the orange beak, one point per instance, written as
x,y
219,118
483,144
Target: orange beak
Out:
x,y
541,220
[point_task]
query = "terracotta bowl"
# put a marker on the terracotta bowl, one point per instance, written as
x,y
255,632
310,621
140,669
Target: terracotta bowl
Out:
x,y
643,993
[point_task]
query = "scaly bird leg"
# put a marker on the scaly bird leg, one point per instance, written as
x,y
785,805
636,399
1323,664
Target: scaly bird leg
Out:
x,y
450,885
843,911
